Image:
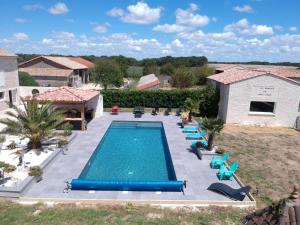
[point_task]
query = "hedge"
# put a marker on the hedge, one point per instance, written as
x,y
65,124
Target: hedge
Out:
x,y
161,98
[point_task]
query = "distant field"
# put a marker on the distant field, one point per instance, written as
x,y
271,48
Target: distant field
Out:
x,y
135,71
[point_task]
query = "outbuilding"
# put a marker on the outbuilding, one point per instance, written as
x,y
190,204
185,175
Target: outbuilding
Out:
x,y
262,96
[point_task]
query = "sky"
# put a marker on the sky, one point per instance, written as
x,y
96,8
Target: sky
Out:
x,y
222,30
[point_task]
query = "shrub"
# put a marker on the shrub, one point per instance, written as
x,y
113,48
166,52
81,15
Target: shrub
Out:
x,y
9,168
183,78
26,80
67,127
35,171
2,138
201,73
163,98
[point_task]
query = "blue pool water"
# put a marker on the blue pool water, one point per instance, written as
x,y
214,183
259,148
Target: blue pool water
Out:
x,y
131,151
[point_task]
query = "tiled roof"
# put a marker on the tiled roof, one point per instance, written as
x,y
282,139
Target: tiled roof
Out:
x,y
83,61
238,74
147,82
65,61
46,72
291,73
67,95
5,53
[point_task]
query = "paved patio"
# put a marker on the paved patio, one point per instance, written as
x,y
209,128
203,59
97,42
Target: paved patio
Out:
x,y
198,173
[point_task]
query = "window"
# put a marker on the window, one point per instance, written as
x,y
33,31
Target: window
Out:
x,y
1,96
267,107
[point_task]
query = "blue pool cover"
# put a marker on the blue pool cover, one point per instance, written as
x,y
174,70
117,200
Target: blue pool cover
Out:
x,y
131,156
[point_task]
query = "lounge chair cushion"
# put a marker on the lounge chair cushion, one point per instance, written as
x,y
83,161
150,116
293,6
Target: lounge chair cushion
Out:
x,y
234,194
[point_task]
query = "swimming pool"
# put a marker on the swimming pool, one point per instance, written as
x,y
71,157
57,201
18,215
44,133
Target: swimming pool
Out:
x,y
130,156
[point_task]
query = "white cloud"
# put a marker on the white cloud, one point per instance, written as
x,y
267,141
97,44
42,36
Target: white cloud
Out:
x,y
64,35
33,7
177,43
47,41
243,27
186,20
21,20
100,29
140,13
21,36
243,9
278,27
58,9
293,29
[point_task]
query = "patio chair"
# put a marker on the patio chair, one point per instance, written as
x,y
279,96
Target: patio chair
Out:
x,y
168,111
179,111
235,194
138,115
196,135
227,174
115,110
155,111
218,161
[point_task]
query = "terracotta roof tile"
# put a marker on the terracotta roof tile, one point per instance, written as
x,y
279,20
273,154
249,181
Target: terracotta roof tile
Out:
x,y
46,72
65,61
82,61
5,53
67,95
237,74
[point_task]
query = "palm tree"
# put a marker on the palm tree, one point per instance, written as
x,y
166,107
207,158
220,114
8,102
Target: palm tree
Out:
x,y
213,126
35,122
191,106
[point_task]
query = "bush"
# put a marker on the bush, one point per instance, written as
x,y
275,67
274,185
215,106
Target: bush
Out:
x,y
35,171
183,78
201,74
2,138
163,98
26,80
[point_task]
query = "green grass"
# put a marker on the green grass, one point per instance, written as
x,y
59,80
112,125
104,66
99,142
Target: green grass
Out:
x,y
14,214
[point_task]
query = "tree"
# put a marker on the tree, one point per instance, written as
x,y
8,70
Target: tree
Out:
x,y
107,72
201,73
26,80
35,122
213,127
167,69
182,78
151,67
192,106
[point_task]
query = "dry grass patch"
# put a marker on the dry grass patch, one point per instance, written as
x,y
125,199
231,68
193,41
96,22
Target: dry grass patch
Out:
x,y
269,158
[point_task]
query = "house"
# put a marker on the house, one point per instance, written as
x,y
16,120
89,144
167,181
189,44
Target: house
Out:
x,y
79,105
148,82
263,96
165,80
58,71
9,81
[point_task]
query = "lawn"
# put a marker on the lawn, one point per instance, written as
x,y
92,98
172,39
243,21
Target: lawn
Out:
x,y
13,214
268,158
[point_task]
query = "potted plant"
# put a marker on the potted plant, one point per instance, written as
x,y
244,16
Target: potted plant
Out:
x,y
213,127
7,168
37,172
185,117
192,106
67,129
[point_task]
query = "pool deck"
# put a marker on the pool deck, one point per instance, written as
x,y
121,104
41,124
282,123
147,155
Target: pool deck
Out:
x,y
197,173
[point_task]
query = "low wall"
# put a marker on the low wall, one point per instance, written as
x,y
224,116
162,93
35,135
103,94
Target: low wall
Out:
x,y
27,90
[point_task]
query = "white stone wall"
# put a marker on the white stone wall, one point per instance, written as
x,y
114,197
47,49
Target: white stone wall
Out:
x,y
97,105
9,80
284,93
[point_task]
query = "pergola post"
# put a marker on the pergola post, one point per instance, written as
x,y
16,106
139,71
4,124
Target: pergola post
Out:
x,y
82,117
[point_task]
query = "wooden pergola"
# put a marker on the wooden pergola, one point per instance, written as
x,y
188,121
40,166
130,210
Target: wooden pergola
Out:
x,y
69,98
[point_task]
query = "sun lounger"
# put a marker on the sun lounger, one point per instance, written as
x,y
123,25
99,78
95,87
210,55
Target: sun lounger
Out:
x,y
227,174
203,142
234,194
196,135
218,161
191,129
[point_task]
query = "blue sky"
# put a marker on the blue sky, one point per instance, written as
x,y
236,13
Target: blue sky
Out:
x,y
222,30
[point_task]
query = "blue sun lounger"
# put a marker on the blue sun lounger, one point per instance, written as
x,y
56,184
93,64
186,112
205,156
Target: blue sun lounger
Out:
x,y
196,135
191,128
